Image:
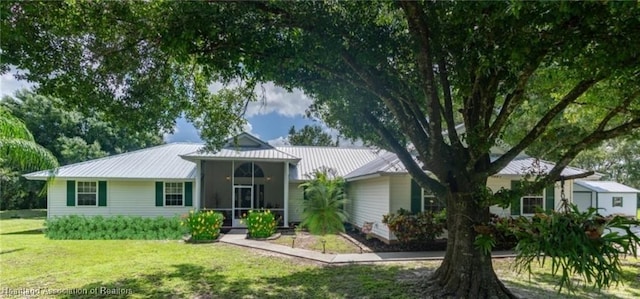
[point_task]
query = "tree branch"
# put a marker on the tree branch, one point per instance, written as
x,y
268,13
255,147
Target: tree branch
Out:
x,y
405,157
541,126
448,104
419,29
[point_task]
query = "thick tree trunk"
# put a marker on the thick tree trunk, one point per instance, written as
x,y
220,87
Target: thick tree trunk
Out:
x,y
466,272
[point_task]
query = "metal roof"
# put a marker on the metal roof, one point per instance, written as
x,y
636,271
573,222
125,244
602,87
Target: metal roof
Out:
x,y
389,163
253,154
606,186
385,163
159,162
524,165
343,160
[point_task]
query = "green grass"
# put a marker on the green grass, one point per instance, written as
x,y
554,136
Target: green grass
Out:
x,y
174,269
158,269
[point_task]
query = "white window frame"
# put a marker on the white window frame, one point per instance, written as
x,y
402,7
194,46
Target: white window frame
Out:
x,y
425,194
94,193
614,199
165,193
537,196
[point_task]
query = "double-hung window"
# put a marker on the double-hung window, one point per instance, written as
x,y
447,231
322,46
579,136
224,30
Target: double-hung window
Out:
x,y
531,203
87,194
173,194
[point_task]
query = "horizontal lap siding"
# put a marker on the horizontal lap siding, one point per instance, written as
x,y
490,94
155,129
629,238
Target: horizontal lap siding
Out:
x,y
400,190
629,202
133,198
495,184
368,201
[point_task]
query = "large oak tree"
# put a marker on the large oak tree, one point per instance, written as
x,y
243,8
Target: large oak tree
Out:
x,y
395,74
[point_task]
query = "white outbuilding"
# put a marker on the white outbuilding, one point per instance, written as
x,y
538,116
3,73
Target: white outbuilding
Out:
x,y
608,197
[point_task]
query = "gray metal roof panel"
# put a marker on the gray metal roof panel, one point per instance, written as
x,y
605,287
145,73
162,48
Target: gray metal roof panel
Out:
x,y
159,162
343,160
606,186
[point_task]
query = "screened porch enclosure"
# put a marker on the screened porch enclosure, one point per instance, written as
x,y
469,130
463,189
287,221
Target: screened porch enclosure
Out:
x,y
235,187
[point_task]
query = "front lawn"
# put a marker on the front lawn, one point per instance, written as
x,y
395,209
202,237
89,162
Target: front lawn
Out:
x,y
332,243
143,269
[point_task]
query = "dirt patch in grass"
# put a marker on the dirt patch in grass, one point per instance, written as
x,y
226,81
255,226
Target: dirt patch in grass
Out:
x,y
333,244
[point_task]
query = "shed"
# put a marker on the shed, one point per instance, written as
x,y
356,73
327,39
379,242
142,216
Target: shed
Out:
x,y
608,197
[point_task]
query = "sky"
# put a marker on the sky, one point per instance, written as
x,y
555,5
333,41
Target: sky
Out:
x,y
269,120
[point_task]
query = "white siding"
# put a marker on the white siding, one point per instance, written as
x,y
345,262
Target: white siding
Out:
x,y
295,203
495,184
629,204
400,193
133,198
368,201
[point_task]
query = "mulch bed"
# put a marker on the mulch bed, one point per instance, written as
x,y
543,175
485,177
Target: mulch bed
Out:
x,y
378,246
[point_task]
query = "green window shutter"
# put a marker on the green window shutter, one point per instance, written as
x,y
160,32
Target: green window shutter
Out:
x,y
188,194
550,198
515,202
71,193
416,197
159,194
102,193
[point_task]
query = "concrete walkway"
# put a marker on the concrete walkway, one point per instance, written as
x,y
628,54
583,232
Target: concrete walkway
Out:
x,y
239,238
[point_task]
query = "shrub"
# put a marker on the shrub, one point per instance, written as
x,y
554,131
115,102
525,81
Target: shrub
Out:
x,y
260,224
203,225
416,228
577,243
324,204
76,227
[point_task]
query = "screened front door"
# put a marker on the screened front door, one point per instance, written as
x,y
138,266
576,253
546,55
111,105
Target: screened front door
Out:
x,y
242,202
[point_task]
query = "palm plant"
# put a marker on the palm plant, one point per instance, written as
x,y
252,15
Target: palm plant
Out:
x,y
18,149
324,203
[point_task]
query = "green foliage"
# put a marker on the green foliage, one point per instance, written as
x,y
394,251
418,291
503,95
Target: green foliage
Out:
x,y
578,243
324,203
415,229
69,135
260,223
76,227
203,225
617,159
310,135
18,149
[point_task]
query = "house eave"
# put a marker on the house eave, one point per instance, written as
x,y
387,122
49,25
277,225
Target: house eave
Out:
x,y
195,159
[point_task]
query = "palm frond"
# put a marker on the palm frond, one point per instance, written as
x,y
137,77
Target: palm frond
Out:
x,y
25,155
12,127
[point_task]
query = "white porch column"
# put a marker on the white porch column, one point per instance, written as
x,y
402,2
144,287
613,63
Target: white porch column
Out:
x,y
286,194
198,192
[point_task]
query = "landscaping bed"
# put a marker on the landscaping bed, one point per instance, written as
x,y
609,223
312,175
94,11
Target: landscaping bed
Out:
x,y
333,244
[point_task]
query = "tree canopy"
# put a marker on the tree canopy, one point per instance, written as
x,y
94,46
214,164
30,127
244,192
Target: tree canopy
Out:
x,y
71,135
310,135
399,75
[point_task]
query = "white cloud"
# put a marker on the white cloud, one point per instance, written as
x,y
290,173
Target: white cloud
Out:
x,y
248,128
9,84
280,101
280,141
273,99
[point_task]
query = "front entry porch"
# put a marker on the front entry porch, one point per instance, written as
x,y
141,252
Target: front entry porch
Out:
x,y
236,187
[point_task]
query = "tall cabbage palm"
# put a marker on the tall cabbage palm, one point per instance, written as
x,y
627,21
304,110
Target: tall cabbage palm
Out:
x,y
18,149
324,204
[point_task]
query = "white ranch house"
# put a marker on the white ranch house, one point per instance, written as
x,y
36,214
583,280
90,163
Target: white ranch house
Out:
x,y
171,179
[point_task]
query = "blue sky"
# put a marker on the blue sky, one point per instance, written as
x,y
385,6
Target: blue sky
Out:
x,y
268,120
